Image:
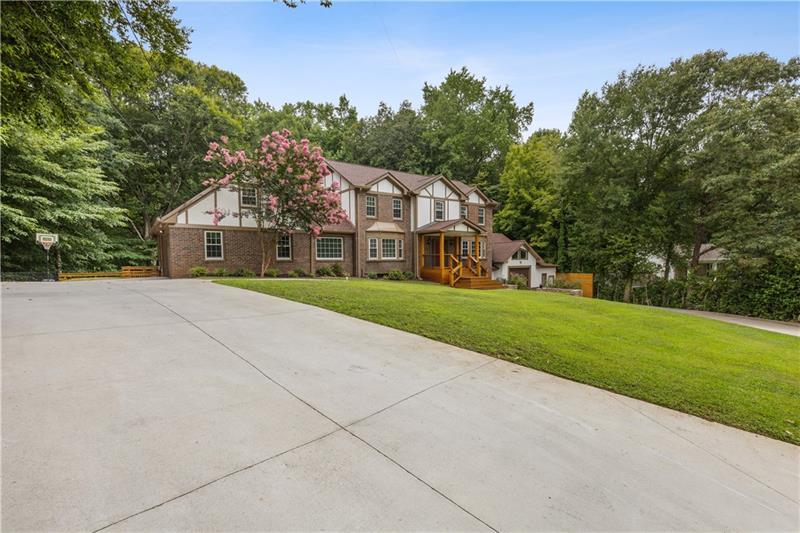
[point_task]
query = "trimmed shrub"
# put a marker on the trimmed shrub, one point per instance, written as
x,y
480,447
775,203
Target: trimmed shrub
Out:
x,y
243,272
220,272
325,272
409,275
337,270
395,275
372,275
298,273
198,271
271,273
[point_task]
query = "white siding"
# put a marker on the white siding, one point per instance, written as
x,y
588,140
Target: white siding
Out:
x,y
424,211
197,212
475,198
437,190
228,202
453,210
386,186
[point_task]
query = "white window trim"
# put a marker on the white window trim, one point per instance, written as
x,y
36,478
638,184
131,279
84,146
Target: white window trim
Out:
x,y
241,196
399,248
291,248
435,218
481,216
221,246
316,250
464,211
366,206
370,242
389,257
396,199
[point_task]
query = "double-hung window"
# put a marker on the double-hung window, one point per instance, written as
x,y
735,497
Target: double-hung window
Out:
x,y
482,249
331,248
373,248
213,245
438,210
388,249
464,211
397,208
249,197
284,248
399,248
465,248
372,206
481,216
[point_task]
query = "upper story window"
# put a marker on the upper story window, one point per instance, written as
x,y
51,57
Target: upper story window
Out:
x,y
520,254
464,211
481,216
213,244
438,210
397,208
372,206
284,247
249,197
330,248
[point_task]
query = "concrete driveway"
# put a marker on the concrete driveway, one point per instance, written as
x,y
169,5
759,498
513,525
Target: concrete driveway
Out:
x,y
176,405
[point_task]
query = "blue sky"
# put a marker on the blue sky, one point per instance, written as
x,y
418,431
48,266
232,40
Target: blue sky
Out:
x,y
548,53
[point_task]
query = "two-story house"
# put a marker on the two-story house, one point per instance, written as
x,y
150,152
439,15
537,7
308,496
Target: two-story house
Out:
x,y
438,228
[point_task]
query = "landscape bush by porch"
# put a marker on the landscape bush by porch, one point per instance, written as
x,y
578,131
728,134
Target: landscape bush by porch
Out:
x,y
736,375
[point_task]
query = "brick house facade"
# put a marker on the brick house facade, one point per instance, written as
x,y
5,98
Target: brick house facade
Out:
x,y
393,218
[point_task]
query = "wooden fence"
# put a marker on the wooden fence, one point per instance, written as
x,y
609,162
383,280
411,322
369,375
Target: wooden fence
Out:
x,y
126,272
586,281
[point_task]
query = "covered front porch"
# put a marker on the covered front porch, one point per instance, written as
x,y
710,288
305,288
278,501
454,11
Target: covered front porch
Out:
x,y
450,251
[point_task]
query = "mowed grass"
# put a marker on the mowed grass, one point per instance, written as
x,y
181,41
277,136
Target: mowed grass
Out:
x,y
731,374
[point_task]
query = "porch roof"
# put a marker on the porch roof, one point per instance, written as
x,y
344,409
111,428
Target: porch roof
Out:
x,y
447,226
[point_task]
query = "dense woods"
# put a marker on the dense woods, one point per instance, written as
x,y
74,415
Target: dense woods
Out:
x,y
106,122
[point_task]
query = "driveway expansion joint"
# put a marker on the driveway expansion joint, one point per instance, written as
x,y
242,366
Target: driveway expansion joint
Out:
x,y
318,411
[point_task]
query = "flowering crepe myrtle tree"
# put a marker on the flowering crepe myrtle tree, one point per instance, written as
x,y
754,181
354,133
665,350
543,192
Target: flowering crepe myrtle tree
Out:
x,y
289,178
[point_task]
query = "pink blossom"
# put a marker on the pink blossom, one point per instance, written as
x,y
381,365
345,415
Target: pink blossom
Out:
x,y
224,139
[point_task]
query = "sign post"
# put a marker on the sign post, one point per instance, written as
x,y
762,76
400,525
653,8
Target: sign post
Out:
x,y
47,240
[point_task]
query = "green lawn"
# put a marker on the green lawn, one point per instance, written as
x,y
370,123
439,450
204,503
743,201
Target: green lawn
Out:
x,y
736,375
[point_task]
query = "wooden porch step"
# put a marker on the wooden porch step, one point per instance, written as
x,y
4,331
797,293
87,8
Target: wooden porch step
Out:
x,y
481,283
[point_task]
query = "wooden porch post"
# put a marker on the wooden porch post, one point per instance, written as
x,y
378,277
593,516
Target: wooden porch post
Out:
x,y
478,253
421,261
441,255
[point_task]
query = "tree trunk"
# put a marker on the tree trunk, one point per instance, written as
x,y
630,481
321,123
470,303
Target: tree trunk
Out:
x,y
700,237
267,246
626,295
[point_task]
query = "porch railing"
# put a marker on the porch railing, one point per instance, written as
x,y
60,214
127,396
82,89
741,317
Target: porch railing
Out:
x,y
454,268
474,265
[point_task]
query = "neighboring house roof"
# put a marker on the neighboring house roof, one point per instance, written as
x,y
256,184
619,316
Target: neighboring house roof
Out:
x,y
443,225
503,248
711,254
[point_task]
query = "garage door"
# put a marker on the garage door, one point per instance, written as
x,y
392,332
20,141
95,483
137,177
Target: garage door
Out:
x,y
525,272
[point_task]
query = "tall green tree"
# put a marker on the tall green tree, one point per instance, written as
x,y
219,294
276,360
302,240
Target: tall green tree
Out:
x,y
532,176
469,128
391,139
159,139
53,183
56,54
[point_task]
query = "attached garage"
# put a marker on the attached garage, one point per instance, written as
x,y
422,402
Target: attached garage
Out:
x,y
525,272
